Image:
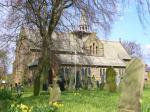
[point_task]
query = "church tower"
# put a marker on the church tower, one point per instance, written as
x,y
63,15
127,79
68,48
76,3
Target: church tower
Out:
x,y
84,27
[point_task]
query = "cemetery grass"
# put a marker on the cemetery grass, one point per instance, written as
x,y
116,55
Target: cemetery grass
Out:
x,y
84,101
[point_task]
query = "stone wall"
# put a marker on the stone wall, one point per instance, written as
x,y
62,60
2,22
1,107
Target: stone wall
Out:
x,y
99,73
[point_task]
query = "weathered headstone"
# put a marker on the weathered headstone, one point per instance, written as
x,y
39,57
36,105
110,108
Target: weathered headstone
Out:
x,y
78,80
89,83
94,84
102,83
71,80
85,81
110,80
55,92
132,86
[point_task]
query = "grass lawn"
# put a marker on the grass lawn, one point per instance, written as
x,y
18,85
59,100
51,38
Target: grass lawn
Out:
x,y
86,101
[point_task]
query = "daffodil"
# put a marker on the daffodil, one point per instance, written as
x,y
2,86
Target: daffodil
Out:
x,y
57,105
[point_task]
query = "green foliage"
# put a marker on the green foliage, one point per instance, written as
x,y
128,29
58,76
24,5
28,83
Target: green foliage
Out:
x,y
4,105
5,94
37,86
35,108
44,108
110,79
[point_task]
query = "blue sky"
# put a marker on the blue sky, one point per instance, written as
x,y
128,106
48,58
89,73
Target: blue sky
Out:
x,y
128,27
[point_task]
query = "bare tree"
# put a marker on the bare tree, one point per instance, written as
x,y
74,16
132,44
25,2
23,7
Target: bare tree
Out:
x,y
133,48
3,63
58,15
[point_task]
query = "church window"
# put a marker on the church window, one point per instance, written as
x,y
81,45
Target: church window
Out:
x,y
100,72
96,49
104,74
93,48
83,28
82,71
86,28
90,49
86,72
89,71
101,75
120,72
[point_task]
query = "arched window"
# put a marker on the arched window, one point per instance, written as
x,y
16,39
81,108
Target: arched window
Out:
x,y
83,28
96,49
93,48
104,74
83,74
90,49
89,71
80,28
86,28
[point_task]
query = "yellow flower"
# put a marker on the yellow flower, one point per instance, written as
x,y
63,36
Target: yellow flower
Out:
x,y
75,94
24,110
57,105
61,105
23,107
30,110
140,100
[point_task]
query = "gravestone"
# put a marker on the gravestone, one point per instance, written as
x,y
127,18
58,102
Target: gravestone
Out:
x,y
71,80
102,83
89,83
78,80
85,81
110,79
55,92
132,86
94,83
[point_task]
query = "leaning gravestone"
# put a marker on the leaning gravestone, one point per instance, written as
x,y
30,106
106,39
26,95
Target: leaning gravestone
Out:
x,y
132,86
55,92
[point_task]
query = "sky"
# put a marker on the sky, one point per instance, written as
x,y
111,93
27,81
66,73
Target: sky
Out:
x,y
129,28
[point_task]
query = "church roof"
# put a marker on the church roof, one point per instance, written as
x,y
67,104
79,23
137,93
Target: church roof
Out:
x,y
90,60
67,59
114,49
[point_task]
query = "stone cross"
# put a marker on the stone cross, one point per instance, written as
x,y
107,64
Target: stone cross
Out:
x,y
132,86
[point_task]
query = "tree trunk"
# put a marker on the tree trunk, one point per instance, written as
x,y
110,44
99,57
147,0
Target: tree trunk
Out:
x,y
44,65
36,85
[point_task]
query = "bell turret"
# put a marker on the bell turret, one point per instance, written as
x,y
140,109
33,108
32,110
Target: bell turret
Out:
x,y
84,22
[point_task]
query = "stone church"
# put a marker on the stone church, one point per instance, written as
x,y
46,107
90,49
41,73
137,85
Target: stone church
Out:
x,y
81,52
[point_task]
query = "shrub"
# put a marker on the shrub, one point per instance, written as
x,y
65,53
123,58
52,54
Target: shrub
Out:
x,y
4,105
5,94
110,79
36,108
43,108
